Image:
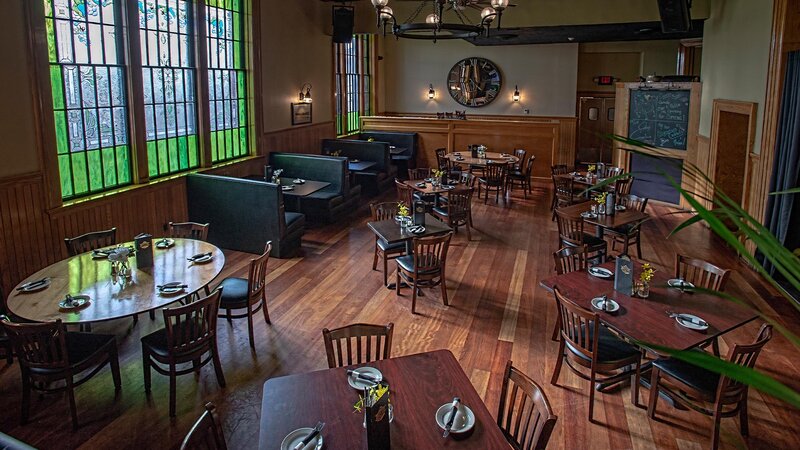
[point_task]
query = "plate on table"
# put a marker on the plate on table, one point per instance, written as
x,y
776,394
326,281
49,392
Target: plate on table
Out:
x,y
298,181
459,158
457,153
421,185
691,322
171,288
201,258
102,253
588,215
287,188
620,208
357,383
600,272
73,302
447,187
165,243
35,286
416,229
598,304
430,180
464,421
297,436
355,160
679,284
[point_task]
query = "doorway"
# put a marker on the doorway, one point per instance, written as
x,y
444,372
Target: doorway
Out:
x,y
595,121
733,129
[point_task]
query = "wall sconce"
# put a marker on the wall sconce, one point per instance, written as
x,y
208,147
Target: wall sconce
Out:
x,y
305,97
431,93
515,97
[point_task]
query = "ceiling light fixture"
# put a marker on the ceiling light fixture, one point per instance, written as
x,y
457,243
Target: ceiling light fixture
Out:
x,y
434,26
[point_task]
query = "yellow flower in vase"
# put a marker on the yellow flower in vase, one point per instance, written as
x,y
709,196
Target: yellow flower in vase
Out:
x,y
403,210
647,273
600,199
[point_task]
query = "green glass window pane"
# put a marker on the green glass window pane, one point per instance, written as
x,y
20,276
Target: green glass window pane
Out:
x,y
214,156
229,151
242,112
240,83
243,141
192,145
163,155
65,171
172,148
123,164
221,144
236,28
58,87
51,40
48,8
79,175
152,159
62,145
237,60
109,165
95,170
183,157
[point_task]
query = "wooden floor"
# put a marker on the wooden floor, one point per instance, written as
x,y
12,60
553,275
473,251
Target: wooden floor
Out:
x,y
498,312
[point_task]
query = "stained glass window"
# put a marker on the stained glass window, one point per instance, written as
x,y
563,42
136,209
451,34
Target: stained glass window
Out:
x,y
353,78
87,73
168,68
227,84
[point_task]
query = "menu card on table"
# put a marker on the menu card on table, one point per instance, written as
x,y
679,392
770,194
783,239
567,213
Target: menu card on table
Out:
x,y
144,250
623,276
377,411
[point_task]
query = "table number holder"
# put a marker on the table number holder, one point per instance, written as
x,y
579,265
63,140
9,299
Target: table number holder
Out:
x,y
143,245
377,412
623,275
419,213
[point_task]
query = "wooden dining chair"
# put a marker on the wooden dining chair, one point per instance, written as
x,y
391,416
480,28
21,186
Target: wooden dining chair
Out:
x,y
457,212
419,173
206,433
190,332
557,169
628,235
522,176
571,234
696,387
520,153
49,354
623,186
467,179
588,344
248,294
405,193
563,193
701,273
425,267
494,180
441,159
568,259
188,230
357,344
90,241
5,342
524,415
384,250
611,171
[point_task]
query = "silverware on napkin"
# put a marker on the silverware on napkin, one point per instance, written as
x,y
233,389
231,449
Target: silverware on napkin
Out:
x,y
199,256
362,376
33,284
688,318
302,444
449,425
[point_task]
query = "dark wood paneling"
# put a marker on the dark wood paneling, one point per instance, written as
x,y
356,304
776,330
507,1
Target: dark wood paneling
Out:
x,y
305,139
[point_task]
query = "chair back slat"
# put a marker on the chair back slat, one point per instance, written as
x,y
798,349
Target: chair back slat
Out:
x,y
383,211
730,390
404,192
633,202
192,326
701,273
570,228
419,173
623,186
90,241
257,277
529,167
430,253
189,230
357,344
559,169
564,189
579,327
494,174
524,415
571,259
39,345
459,203
467,179
206,433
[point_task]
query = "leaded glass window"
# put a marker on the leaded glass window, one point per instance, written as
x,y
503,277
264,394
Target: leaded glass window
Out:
x,y
166,37
227,86
87,73
353,79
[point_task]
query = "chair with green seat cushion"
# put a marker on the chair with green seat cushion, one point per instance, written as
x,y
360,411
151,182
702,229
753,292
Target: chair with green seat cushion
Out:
x,y
384,250
585,343
695,387
247,293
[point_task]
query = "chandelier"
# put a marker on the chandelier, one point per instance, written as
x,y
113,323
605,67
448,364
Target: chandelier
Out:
x,y
435,27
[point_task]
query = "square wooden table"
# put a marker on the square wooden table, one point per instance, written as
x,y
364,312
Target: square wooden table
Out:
x,y
359,166
606,221
298,190
391,232
647,320
419,384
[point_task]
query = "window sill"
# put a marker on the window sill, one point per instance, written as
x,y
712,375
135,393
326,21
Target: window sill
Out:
x,y
91,200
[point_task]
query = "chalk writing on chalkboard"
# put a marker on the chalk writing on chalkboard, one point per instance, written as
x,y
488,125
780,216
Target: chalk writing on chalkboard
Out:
x,y
659,118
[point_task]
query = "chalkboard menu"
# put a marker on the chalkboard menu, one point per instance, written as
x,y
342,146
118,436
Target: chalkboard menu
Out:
x,y
659,117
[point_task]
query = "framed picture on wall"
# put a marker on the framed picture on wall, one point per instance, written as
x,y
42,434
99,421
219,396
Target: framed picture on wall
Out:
x,y
301,113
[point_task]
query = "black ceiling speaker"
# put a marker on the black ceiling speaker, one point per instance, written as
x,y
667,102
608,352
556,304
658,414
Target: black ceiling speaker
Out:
x,y
343,22
675,15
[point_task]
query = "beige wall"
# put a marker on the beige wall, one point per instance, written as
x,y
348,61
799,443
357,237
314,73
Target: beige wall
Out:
x,y
546,75
736,42
17,133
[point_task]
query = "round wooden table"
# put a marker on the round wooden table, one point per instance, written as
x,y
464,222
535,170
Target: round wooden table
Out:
x,y
109,298
489,156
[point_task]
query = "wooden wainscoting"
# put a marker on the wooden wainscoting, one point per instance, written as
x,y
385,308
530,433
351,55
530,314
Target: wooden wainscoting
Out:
x,y
31,237
551,139
304,139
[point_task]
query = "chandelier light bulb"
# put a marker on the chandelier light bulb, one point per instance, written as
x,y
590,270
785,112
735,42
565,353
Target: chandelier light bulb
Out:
x,y
488,12
432,18
380,3
386,13
498,4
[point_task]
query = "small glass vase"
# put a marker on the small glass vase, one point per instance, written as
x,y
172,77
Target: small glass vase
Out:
x,y
601,209
643,289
